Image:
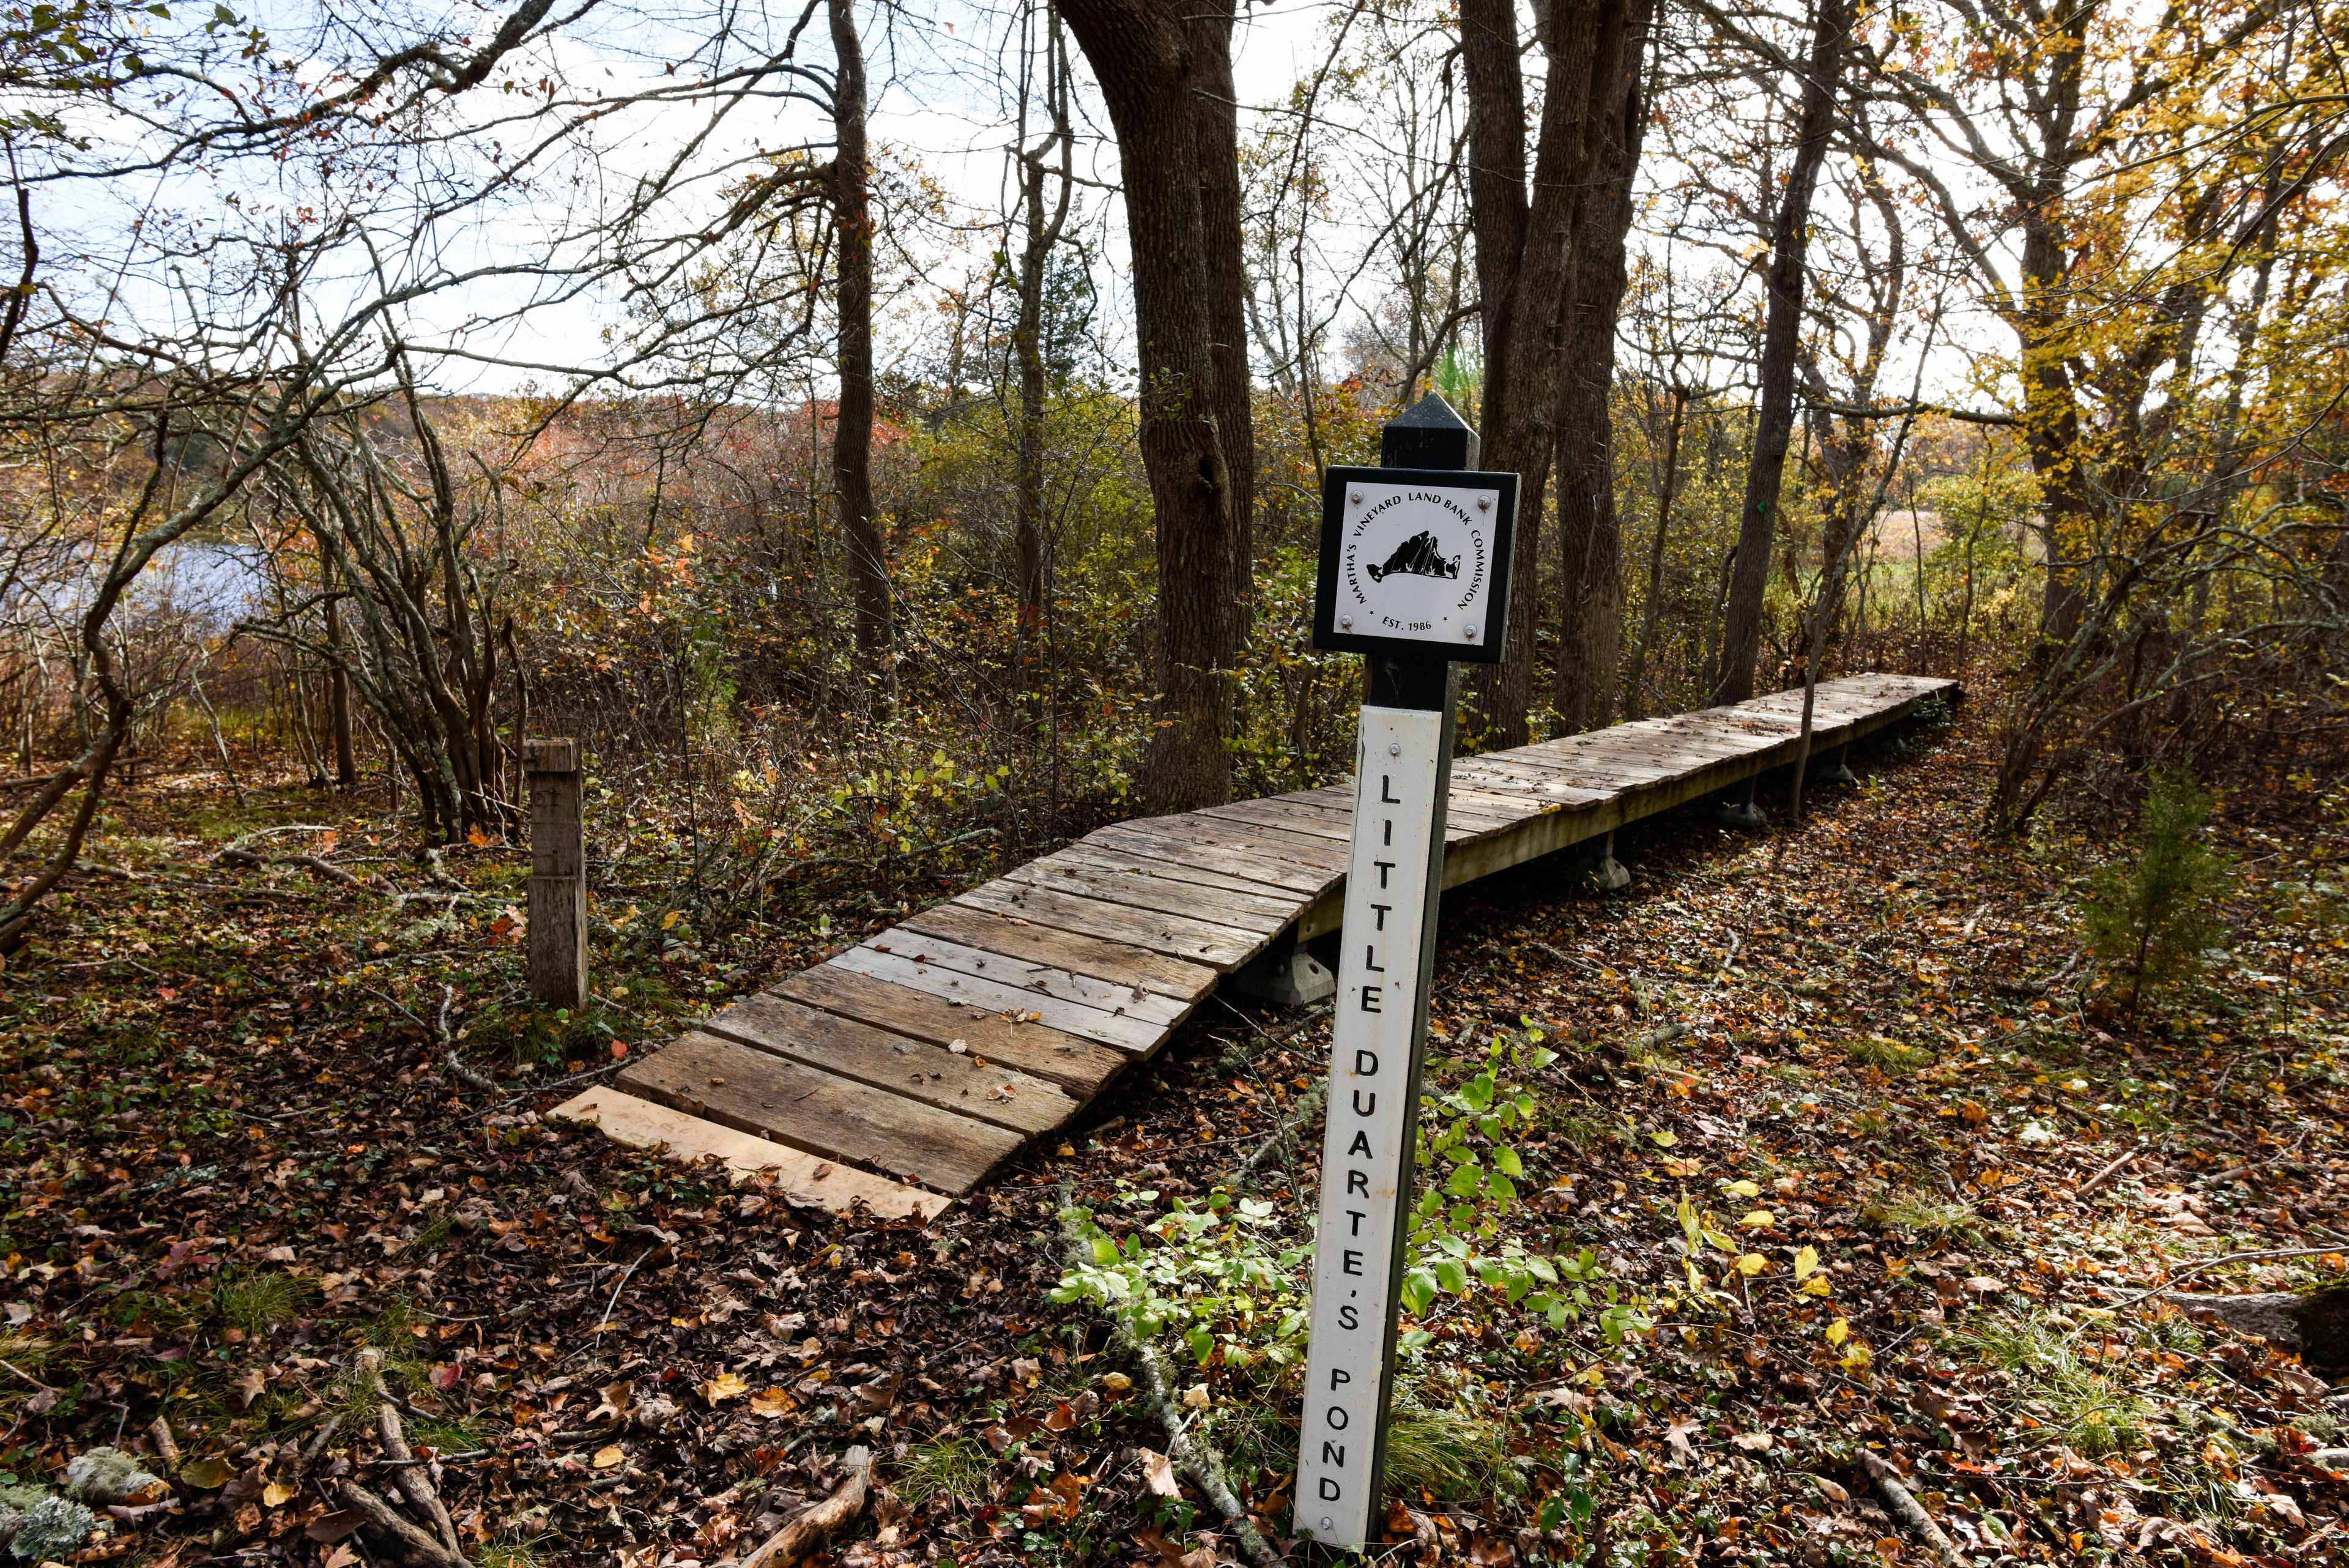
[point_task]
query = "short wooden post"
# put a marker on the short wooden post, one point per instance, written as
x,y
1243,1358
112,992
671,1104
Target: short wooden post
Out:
x,y
558,874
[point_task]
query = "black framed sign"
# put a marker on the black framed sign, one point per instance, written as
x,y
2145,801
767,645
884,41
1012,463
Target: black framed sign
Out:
x,y
1415,560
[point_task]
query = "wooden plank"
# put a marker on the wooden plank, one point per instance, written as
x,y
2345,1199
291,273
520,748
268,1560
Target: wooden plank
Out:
x,y
1132,1000
977,994
727,1082
1251,838
1219,947
1104,857
1211,846
1080,1066
641,1123
1304,820
1504,775
1240,912
913,1068
1289,816
1094,956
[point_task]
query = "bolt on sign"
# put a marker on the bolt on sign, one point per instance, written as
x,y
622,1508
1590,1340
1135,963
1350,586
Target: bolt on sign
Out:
x,y
1415,559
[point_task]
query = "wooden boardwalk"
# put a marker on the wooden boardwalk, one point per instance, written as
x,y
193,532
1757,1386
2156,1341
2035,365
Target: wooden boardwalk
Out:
x,y
905,1069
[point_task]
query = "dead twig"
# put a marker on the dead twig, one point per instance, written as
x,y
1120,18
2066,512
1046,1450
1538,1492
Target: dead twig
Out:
x,y
2106,1174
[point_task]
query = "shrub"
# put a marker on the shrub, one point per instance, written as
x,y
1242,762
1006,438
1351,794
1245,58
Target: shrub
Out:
x,y
2154,916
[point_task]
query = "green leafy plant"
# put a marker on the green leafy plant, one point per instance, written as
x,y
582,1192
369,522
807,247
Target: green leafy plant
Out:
x,y
1469,1169
1217,1278
2156,916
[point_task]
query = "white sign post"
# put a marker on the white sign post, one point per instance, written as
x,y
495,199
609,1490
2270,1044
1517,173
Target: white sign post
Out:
x,y
1414,574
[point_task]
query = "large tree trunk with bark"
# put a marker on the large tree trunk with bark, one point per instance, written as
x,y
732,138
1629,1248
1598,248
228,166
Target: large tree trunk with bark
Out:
x,y
1215,115
852,431
1590,532
1141,52
1524,231
1782,331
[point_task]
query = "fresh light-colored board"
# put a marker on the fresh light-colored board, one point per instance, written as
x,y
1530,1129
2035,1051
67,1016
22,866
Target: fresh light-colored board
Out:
x,y
1130,1000
978,993
1094,957
1254,915
727,1082
953,1081
643,1124
1080,1066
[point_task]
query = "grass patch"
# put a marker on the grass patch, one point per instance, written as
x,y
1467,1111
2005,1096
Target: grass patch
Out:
x,y
2074,1405
436,1231
252,1304
25,1350
442,1436
1886,1056
1913,1211
1448,1455
517,1552
959,1469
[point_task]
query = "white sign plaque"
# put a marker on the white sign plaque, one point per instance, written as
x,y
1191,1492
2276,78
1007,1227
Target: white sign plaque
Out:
x,y
1366,1147
1415,560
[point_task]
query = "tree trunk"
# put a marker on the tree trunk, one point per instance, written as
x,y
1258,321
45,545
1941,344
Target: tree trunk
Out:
x,y
1215,118
852,431
1523,234
339,701
1774,425
1042,232
1667,490
1140,52
1590,532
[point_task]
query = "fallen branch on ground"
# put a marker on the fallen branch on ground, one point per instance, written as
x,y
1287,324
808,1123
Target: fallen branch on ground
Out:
x,y
437,1549
2167,1285
1911,1514
2106,1174
808,1528
1198,1461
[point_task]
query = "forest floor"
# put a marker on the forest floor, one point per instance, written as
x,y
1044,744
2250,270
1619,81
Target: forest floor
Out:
x,y
1827,1136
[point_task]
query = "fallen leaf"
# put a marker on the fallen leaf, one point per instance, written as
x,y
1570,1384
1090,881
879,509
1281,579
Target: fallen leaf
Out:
x,y
1752,1442
1677,1434
771,1402
205,1474
1158,1474
1984,1285
610,1458
276,1494
724,1387
1829,1490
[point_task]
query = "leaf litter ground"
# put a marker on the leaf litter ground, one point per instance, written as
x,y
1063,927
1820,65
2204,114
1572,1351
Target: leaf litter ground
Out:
x,y
1831,1126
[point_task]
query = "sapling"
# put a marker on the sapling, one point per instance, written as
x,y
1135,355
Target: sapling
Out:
x,y
2157,915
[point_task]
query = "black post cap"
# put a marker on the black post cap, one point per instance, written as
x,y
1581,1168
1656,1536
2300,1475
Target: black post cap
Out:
x,y
1428,434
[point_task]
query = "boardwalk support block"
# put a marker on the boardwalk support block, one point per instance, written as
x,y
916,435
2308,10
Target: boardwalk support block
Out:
x,y
1291,979
1607,873
1746,815
1840,774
